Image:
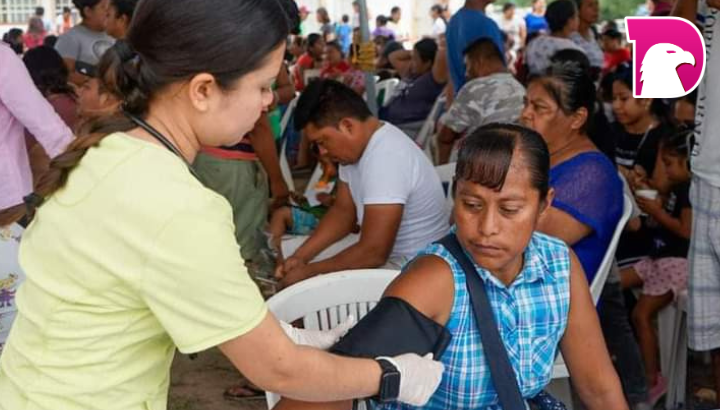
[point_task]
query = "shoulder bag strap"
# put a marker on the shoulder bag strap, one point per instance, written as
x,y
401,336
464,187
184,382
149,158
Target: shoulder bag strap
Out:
x,y
501,371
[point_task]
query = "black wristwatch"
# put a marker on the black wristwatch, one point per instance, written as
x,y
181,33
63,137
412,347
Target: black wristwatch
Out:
x,y
389,381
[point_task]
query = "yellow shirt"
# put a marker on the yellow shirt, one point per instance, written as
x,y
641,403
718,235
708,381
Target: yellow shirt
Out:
x,y
131,259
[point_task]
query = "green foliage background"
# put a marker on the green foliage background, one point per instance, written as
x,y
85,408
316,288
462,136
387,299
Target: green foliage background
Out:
x,y
609,9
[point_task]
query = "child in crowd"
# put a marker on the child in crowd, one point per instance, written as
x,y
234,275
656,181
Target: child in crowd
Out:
x,y
663,275
302,218
615,53
684,109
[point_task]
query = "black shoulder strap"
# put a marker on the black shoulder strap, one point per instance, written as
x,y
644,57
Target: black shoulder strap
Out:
x,y
501,371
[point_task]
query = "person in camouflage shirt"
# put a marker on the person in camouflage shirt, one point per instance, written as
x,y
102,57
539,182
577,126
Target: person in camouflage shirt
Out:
x,y
492,95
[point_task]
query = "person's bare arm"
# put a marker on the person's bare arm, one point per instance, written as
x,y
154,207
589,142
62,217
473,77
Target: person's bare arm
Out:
x,y
686,9
583,347
400,60
446,141
284,87
268,358
335,225
427,272
561,225
263,143
440,70
377,237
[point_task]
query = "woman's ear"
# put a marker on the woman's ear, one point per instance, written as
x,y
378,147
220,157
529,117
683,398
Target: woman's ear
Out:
x,y
202,91
580,118
546,204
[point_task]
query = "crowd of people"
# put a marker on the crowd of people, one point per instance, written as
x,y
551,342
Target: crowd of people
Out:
x,y
141,150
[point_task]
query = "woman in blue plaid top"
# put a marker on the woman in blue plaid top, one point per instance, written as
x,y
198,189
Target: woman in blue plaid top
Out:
x,y
535,283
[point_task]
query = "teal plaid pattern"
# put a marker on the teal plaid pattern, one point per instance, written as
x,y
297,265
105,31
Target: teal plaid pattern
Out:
x,y
532,315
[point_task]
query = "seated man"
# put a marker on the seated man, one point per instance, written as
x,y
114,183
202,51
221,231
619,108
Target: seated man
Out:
x,y
386,184
492,95
424,73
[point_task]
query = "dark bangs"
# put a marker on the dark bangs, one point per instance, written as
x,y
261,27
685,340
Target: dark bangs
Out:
x,y
486,155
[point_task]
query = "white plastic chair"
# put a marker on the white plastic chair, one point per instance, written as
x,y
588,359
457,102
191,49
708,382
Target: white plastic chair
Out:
x,y
447,173
325,301
560,373
424,137
11,276
284,165
387,87
672,322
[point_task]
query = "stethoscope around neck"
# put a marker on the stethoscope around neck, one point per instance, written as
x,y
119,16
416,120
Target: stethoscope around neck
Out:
x,y
161,139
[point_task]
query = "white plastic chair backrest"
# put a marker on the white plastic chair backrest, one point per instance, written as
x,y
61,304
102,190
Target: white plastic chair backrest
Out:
x,y
325,301
601,276
426,132
284,164
447,173
314,179
388,87
11,276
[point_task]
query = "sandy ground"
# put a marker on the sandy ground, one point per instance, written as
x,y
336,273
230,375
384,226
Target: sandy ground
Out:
x,y
199,384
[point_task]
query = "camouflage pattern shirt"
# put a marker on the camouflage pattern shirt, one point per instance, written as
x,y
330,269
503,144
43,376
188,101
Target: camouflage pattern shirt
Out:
x,y
495,98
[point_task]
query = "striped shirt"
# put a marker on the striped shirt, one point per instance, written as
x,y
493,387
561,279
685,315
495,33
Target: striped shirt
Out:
x,y
531,313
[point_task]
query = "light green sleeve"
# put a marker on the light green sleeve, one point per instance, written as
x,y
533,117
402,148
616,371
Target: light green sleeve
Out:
x,y
196,283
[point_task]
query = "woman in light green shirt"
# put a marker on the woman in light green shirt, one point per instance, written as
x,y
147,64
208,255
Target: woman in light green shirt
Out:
x,y
130,257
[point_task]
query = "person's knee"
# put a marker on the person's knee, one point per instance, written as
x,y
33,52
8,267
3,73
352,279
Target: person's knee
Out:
x,y
641,317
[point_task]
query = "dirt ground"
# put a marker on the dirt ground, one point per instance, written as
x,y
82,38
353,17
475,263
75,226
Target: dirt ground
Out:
x,y
199,384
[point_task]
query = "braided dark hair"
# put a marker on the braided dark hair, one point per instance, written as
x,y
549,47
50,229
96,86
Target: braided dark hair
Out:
x,y
170,42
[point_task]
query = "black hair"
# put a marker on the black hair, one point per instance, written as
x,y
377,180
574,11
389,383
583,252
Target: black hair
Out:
x,y
168,43
679,144
345,18
381,20
14,39
336,45
559,13
39,11
440,10
612,34
571,85
483,48
326,102
124,7
659,108
81,4
486,155
50,41
312,39
323,14
508,6
690,98
48,71
66,9
394,10
426,49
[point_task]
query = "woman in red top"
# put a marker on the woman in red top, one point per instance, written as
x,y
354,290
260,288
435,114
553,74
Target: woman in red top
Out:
x,y
338,69
35,34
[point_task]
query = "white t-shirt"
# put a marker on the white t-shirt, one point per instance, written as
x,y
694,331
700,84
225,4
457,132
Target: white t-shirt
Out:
x,y
438,28
393,170
706,154
540,50
512,28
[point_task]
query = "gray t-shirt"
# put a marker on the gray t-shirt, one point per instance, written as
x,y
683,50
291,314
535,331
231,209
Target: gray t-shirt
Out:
x,y
706,154
83,45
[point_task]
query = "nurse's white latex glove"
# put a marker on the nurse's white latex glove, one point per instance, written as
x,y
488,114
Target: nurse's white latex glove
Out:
x,y
320,339
419,377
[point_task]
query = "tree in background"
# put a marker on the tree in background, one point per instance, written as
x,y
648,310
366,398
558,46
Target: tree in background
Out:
x,y
609,9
